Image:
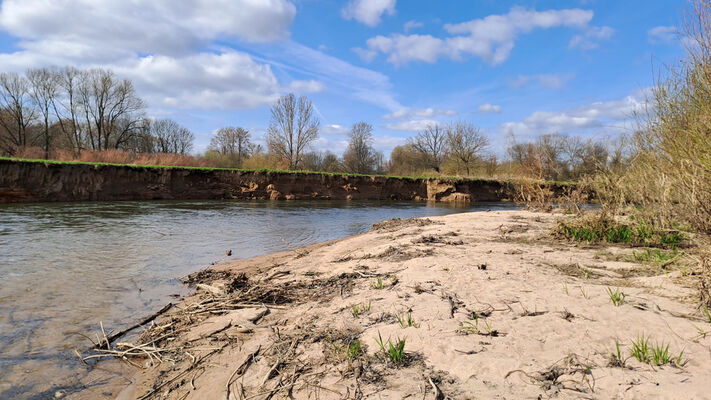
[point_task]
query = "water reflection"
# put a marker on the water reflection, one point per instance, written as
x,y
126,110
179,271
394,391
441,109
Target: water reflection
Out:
x,y
65,267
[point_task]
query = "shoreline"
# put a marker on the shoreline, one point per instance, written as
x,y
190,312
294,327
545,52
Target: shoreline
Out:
x,y
488,304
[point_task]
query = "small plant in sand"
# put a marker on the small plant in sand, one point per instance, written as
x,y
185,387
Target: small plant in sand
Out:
x,y
565,288
473,327
358,309
394,352
378,284
616,296
585,294
640,349
707,313
355,350
656,355
406,320
616,359
393,280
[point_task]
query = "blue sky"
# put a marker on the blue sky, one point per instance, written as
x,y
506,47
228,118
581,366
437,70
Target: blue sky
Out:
x,y
512,68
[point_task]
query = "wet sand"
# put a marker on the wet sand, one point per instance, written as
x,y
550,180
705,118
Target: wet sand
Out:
x,y
488,303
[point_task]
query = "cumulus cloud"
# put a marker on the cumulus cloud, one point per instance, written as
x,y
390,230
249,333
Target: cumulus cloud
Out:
x,y
208,81
162,48
591,37
368,12
418,113
491,38
548,81
161,26
615,114
489,109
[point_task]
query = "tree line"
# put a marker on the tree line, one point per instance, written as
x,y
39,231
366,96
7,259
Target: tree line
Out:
x,y
69,112
73,110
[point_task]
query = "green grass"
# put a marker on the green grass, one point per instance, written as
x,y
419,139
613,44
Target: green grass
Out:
x,y
378,284
358,309
406,321
640,349
657,355
267,170
355,350
616,296
395,352
654,255
610,231
707,313
473,327
616,359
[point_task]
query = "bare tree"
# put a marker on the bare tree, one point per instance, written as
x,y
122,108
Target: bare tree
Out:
x,y
43,90
360,157
15,100
234,142
431,143
170,137
66,106
292,129
465,143
112,110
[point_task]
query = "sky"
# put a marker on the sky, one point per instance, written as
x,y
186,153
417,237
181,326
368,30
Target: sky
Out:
x,y
515,69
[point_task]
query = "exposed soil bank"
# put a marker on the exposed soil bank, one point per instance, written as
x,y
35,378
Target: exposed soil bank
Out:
x,y
488,304
24,181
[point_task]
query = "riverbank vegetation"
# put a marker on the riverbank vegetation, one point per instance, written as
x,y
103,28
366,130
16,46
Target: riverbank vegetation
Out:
x,y
661,198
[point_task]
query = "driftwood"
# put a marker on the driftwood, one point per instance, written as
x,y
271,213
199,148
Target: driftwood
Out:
x,y
111,338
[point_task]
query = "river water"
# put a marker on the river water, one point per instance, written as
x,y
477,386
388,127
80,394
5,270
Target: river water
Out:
x,y
66,266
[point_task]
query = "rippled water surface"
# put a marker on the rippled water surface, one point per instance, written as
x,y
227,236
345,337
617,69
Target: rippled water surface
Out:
x,y
65,267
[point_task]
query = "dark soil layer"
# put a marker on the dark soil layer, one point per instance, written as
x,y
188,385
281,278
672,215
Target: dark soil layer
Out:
x,y
26,181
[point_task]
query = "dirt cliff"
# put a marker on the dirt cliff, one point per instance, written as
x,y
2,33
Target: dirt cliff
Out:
x,y
30,181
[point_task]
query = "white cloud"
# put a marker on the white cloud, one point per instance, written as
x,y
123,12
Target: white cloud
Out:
x,y
144,26
162,48
590,38
489,109
418,113
611,115
491,38
412,24
548,81
306,87
411,125
663,34
208,81
334,129
386,143
368,12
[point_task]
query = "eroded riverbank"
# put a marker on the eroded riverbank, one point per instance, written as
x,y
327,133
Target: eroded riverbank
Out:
x,y
487,303
37,181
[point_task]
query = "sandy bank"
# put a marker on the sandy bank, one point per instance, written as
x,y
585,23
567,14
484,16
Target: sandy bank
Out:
x,y
488,304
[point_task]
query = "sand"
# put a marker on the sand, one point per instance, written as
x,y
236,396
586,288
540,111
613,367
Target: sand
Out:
x,y
497,308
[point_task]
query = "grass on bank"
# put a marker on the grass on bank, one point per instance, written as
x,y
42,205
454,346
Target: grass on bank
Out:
x,y
267,170
598,228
